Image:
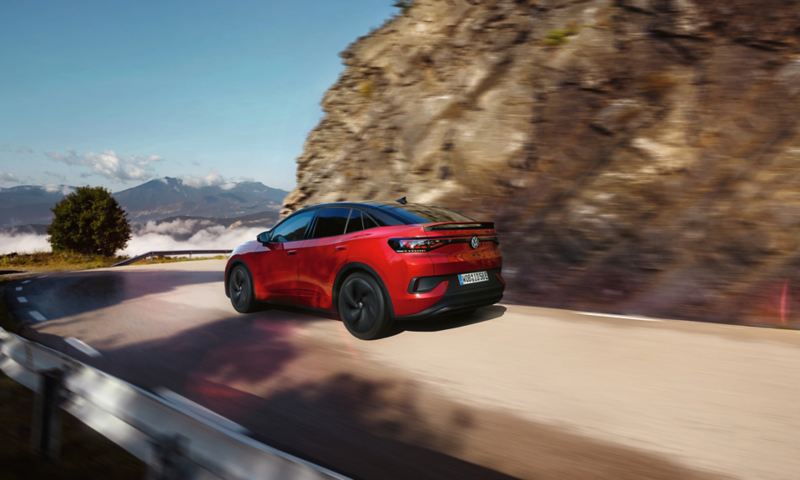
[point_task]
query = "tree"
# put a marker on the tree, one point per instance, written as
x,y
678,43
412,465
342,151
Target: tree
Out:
x,y
90,221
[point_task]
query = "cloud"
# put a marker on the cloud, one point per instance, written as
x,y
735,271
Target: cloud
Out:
x,y
64,189
213,237
61,178
123,168
176,228
18,149
176,235
23,243
213,179
8,178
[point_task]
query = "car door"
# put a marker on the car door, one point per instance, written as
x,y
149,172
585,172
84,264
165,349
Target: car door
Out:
x,y
321,256
278,264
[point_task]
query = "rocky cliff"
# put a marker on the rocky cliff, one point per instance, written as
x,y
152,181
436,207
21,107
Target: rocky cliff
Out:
x,y
640,156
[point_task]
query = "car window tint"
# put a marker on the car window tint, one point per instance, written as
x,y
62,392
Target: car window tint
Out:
x,y
415,213
369,222
354,224
382,218
330,222
293,228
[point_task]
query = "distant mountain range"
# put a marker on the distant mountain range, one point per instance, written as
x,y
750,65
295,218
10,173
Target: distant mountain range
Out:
x,y
154,200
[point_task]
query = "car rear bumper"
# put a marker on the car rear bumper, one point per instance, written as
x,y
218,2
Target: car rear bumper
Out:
x,y
463,297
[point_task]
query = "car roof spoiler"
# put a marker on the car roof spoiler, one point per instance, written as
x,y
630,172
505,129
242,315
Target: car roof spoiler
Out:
x,y
459,226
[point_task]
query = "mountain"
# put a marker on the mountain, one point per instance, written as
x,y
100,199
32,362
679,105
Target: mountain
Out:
x,y
638,156
169,197
154,200
28,204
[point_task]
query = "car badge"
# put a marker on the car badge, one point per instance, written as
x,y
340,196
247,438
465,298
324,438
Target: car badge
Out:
x,y
474,242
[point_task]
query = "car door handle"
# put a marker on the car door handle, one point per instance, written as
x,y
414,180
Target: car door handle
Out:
x,y
340,248
291,252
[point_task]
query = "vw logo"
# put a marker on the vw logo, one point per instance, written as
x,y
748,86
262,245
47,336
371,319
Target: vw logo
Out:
x,y
474,242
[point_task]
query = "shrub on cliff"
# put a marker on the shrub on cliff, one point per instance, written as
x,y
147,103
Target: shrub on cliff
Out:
x,y
89,221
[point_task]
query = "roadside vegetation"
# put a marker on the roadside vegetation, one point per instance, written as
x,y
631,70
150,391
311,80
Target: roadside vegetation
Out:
x,y
89,221
85,453
157,260
54,261
67,261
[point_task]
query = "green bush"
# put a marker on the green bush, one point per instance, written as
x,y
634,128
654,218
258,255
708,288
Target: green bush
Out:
x,y
89,221
559,36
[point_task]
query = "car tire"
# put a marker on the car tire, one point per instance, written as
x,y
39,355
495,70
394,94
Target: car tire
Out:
x,y
362,307
240,289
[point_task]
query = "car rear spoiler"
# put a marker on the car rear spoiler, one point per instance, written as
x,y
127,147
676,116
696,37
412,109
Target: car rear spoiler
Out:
x,y
459,226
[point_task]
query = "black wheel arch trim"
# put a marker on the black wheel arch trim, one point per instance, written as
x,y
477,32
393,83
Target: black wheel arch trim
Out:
x,y
228,272
355,267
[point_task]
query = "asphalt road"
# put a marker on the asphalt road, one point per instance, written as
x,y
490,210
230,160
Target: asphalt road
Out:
x,y
511,391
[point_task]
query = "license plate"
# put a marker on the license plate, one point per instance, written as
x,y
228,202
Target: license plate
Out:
x,y
473,277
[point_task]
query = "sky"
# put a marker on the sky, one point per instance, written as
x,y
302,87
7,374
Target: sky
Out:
x,y
114,93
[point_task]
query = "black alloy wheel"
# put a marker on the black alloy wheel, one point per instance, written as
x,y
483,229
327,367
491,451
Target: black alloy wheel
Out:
x,y
240,288
362,307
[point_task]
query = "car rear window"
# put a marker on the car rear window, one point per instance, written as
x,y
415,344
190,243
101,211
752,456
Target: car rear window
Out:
x,y
415,213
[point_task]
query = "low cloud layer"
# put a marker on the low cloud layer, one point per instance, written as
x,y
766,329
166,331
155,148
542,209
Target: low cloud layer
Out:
x,y
176,235
108,164
23,243
213,179
7,178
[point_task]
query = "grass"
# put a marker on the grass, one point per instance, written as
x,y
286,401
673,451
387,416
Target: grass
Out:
x,y
157,260
52,262
55,262
85,453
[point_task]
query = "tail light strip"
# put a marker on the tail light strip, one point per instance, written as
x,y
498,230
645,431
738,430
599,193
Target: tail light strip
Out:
x,y
426,244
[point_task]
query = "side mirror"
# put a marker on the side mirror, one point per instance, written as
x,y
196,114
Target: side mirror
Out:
x,y
263,238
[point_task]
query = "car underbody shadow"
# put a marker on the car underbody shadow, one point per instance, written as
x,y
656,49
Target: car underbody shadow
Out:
x,y
435,323
452,320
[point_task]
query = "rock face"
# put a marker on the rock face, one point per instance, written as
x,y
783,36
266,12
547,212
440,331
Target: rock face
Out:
x,y
640,156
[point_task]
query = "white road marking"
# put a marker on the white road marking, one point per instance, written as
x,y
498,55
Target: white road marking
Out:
x,y
625,317
22,300
82,346
37,316
25,282
198,411
19,289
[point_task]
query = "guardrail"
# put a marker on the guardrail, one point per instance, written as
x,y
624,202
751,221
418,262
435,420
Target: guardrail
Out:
x,y
170,253
175,441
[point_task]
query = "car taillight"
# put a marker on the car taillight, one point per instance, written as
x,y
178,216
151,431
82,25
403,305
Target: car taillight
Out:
x,y
414,245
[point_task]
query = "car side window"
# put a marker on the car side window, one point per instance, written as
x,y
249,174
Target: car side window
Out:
x,y
331,222
293,228
354,224
369,222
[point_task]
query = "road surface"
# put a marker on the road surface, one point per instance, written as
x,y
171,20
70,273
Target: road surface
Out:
x,y
509,392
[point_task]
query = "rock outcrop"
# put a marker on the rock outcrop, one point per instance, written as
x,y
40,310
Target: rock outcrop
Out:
x,y
640,156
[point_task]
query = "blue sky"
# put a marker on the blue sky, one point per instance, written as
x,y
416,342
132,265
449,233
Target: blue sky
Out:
x,y
112,93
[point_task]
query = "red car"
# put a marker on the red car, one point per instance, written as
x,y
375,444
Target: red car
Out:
x,y
372,263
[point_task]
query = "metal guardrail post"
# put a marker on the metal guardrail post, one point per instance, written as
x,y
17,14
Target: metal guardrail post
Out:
x,y
46,428
169,253
169,459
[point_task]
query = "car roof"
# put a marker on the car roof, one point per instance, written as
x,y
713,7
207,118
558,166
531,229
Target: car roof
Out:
x,y
370,203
